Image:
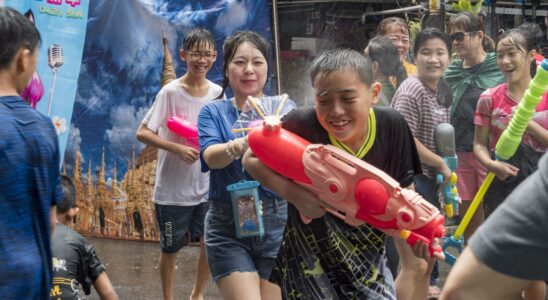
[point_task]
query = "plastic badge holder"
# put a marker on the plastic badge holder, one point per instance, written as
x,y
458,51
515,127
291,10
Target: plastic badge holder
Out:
x,y
248,216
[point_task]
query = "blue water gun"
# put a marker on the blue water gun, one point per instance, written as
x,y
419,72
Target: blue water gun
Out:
x,y
445,145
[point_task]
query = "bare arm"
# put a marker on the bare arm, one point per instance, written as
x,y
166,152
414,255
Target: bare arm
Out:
x,y
104,288
306,202
149,137
538,132
431,159
219,156
481,141
52,218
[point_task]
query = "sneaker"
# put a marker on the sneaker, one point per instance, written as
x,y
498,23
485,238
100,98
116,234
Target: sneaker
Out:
x,y
434,292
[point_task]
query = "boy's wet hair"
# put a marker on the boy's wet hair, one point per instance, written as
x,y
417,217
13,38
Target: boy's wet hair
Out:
x,y
381,50
340,59
428,34
68,200
197,37
524,39
16,32
230,46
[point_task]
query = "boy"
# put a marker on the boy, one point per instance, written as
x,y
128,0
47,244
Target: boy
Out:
x,y
328,259
29,168
180,190
75,262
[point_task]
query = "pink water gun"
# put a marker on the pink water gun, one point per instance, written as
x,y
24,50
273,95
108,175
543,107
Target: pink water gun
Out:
x,y
184,129
356,191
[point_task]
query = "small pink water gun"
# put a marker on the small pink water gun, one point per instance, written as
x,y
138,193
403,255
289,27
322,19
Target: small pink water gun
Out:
x,y
184,129
356,191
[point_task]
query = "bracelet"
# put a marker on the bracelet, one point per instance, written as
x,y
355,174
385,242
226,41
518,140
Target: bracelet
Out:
x,y
229,149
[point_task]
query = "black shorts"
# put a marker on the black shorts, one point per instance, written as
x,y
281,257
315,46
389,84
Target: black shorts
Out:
x,y
176,221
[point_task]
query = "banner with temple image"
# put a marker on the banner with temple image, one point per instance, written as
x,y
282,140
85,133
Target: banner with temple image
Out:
x,y
122,71
62,26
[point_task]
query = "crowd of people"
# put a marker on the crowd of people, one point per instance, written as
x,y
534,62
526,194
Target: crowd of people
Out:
x,y
380,104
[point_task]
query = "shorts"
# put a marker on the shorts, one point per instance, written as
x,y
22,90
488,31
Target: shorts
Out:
x,y
470,174
227,254
176,221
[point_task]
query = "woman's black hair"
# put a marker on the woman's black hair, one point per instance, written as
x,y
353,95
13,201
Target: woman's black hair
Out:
x,y
230,46
381,50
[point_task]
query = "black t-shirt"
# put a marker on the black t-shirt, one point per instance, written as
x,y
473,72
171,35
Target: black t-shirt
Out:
x,y
328,259
463,116
74,263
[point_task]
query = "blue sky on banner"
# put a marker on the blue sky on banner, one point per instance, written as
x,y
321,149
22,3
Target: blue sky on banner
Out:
x,y
121,67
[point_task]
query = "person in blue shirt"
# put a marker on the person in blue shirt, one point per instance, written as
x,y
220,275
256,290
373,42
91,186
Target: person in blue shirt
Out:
x,y
29,168
240,266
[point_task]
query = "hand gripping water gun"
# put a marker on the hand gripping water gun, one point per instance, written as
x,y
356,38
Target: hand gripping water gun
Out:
x,y
356,191
184,129
445,146
506,148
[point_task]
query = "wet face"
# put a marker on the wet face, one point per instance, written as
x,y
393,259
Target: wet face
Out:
x,y
400,38
199,58
432,59
342,105
466,43
513,60
247,71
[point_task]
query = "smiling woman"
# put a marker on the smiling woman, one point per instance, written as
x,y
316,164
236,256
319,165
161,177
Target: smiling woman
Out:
x,y
469,75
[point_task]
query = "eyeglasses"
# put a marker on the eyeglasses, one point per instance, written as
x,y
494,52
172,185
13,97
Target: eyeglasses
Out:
x,y
459,36
199,55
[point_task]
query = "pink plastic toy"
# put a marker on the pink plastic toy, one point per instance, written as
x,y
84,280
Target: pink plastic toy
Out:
x,y
184,129
358,191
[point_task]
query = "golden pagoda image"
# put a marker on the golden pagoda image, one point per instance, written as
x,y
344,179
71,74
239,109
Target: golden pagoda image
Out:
x,y
113,209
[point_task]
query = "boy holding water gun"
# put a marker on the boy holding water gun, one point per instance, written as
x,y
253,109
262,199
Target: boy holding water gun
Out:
x,y
180,190
328,258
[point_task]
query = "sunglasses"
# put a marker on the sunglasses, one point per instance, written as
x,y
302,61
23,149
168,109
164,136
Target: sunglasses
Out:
x,y
459,36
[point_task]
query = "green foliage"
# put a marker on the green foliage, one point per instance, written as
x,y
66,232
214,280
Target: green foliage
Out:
x,y
414,29
466,6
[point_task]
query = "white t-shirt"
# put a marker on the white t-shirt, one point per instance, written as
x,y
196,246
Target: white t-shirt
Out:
x,y
178,183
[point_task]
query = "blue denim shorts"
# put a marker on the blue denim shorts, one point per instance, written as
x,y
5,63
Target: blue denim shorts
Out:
x,y
176,221
227,254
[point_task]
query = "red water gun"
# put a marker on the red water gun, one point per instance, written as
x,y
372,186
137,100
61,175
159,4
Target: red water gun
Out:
x,y
354,190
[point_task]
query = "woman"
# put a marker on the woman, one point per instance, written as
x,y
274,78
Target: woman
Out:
x,y
468,76
424,101
515,56
240,266
396,30
385,63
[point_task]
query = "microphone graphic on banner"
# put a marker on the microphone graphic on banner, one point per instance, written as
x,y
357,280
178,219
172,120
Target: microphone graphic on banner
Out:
x,y
55,60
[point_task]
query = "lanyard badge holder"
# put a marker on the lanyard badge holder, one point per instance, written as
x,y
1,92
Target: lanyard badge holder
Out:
x,y
248,215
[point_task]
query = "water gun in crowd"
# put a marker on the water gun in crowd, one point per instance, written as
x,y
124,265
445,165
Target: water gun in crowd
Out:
x,y
353,190
506,147
184,129
445,146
